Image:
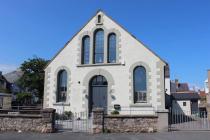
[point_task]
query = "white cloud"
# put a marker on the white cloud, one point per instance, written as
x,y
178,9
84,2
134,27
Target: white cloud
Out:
x,y
5,68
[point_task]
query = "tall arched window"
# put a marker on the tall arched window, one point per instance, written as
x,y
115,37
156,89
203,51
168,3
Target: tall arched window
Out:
x,y
112,48
85,49
140,84
99,46
61,86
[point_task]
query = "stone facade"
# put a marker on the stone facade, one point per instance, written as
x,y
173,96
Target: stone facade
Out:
x,y
44,122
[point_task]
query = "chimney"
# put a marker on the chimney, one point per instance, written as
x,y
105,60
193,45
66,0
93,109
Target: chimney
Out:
x,y
177,84
209,80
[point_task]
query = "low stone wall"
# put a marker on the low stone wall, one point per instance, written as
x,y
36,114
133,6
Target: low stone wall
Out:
x,y
44,122
130,124
124,123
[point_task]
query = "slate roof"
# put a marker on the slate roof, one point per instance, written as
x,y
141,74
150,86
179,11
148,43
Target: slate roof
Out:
x,y
185,96
181,87
12,77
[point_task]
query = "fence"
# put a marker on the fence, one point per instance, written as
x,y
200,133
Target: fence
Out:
x,y
187,120
75,122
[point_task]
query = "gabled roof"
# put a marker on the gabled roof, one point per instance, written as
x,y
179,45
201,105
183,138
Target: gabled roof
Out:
x,y
115,23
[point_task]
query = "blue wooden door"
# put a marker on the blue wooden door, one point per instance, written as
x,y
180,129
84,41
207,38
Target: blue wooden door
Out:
x,y
98,93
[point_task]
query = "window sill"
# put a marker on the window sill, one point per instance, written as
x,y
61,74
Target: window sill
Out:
x,y
99,64
141,105
99,23
61,104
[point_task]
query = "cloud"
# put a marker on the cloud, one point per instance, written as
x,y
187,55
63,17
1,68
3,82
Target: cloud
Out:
x,y
5,68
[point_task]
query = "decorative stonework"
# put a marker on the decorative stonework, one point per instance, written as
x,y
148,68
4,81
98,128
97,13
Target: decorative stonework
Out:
x,y
160,85
79,47
47,87
102,19
68,83
90,33
149,82
87,79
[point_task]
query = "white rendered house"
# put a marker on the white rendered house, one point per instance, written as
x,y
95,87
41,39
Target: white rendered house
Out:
x,y
103,65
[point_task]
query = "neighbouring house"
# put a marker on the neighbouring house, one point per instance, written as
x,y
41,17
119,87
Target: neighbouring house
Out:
x,y
104,66
4,84
207,90
5,100
206,86
12,78
207,83
202,101
184,101
5,95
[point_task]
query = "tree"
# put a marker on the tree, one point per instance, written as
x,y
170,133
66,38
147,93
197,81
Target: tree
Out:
x,y
33,76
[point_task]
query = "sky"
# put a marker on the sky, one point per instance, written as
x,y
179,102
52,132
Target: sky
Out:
x,y
177,30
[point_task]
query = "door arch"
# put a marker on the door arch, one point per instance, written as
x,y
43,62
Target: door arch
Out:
x,y
98,92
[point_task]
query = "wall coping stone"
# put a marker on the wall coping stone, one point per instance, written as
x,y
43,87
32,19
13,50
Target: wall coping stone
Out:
x,y
98,110
141,105
163,111
20,116
131,116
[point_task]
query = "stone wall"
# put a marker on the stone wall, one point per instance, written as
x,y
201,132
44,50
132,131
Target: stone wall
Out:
x,y
44,122
123,123
130,124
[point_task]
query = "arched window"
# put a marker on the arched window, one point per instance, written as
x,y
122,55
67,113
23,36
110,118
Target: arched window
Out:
x,y
99,46
85,49
112,48
140,84
61,86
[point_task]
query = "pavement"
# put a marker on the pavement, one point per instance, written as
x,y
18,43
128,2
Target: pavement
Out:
x,y
193,135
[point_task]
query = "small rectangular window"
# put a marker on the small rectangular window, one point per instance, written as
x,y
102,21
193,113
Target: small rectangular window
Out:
x,y
184,103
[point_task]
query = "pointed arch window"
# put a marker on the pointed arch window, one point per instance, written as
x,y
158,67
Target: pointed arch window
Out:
x,y
61,86
85,50
140,84
112,48
98,46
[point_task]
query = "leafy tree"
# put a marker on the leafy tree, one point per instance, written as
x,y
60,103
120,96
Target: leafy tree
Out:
x,y
24,98
33,76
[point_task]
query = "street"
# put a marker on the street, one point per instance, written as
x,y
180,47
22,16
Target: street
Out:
x,y
194,135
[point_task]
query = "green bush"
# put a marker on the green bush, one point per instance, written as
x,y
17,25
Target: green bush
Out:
x,y
67,115
115,112
23,96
